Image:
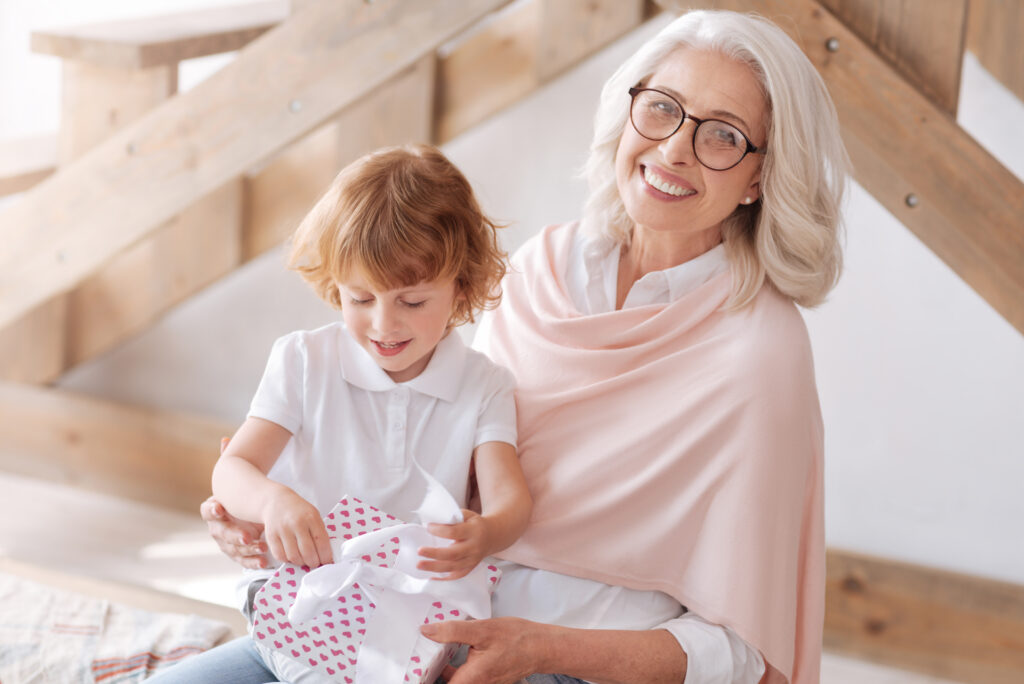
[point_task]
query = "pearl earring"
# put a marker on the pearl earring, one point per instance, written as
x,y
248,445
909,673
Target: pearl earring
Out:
x,y
748,200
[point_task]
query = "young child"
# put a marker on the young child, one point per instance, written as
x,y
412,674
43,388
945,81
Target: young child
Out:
x,y
401,247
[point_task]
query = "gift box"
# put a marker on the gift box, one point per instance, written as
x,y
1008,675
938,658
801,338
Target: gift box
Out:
x,y
360,618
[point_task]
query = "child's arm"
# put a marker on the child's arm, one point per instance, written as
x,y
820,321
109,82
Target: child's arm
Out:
x,y
292,526
505,504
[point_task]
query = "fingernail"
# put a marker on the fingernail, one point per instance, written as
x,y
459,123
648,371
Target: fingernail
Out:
x,y
428,630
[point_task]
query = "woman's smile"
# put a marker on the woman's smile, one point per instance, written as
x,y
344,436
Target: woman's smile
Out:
x,y
666,184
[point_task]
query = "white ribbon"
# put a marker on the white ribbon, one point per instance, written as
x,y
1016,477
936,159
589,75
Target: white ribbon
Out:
x,y
403,595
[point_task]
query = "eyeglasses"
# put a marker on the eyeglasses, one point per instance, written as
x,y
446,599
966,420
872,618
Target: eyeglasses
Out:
x,y
716,144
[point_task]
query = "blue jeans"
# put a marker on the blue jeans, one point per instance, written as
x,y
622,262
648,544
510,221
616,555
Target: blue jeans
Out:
x,y
235,662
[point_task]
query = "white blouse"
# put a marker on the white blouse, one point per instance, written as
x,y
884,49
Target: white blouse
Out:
x,y
716,654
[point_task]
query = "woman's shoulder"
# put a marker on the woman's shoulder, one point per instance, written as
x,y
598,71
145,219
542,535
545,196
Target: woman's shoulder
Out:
x,y
772,336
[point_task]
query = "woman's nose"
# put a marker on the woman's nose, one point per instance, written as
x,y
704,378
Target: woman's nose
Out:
x,y
678,147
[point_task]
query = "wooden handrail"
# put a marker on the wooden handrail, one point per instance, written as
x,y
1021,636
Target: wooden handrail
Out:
x,y
144,175
153,41
471,76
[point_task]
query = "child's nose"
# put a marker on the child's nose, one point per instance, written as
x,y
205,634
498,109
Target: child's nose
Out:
x,y
385,318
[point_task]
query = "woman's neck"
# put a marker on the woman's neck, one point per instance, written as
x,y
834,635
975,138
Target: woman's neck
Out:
x,y
648,252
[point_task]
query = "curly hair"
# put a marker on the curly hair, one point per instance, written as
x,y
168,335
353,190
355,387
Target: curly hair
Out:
x,y
401,216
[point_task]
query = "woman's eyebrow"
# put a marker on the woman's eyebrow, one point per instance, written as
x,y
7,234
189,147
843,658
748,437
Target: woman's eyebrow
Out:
x,y
713,114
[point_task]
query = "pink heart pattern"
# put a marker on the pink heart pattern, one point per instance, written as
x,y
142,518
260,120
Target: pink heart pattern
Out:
x,y
330,642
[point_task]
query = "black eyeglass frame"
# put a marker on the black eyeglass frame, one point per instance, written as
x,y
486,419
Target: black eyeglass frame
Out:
x,y
751,147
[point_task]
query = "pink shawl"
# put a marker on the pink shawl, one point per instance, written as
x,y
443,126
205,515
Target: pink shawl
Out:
x,y
672,447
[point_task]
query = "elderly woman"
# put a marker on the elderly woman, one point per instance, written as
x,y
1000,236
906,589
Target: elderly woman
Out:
x,y
668,417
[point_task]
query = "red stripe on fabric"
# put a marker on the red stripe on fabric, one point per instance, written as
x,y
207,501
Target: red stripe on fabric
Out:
x,y
150,661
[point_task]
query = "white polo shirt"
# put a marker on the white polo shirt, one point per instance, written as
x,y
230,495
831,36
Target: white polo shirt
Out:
x,y
356,431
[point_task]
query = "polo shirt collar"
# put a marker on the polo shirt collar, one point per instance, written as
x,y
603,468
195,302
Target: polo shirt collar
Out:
x,y
441,378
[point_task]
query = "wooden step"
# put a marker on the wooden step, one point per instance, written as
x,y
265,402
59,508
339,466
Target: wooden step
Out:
x,y
154,41
162,458
26,161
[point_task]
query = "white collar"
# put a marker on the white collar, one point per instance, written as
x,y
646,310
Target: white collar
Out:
x,y
601,264
441,378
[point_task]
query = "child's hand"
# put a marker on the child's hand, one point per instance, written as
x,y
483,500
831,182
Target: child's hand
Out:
x,y
294,530
472,544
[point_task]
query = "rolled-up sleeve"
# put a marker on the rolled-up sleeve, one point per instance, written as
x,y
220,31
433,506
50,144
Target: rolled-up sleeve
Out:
x,y
715,654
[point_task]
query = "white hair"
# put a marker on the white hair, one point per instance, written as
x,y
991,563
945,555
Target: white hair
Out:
x,y
791,235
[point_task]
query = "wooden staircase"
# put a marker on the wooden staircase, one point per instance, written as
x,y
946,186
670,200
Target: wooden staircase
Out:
x,y
145,196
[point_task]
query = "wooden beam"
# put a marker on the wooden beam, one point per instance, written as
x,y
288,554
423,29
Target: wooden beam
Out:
x,y
945,624
280,193
914,158
163,40
157,457
923,41
97,101
144,175
196,248
572,29
25,162
488,69
32,350
994,30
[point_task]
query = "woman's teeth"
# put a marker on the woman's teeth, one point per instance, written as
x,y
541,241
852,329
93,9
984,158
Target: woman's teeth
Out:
x,y
391,345
666,187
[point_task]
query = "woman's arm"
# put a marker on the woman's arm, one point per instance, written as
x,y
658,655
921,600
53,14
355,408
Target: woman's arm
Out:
x,y
504,650
505,511
294,530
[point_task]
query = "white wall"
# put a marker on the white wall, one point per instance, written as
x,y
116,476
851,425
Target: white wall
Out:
x,y
922,384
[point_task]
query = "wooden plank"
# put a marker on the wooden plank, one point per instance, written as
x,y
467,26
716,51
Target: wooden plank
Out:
x,y
994,28
143,598
32,350
573,29
923,41
914,158
941,623
65,228
162,40
25,162
194,249
488,69
280,193
157,457
96,101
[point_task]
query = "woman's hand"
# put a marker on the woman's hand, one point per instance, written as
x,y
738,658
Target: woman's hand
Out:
x,y
501,650
239,540
294,530
472,543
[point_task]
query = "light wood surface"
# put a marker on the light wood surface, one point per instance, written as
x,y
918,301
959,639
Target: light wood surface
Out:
x,y
923,41
572,29
279,194
123,189
994,30
162,40
97,101
158,457
950,625
914,158
488,69
192,250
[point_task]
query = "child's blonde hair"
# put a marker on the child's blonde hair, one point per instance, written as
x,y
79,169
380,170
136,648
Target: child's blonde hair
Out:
x,y
400,216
